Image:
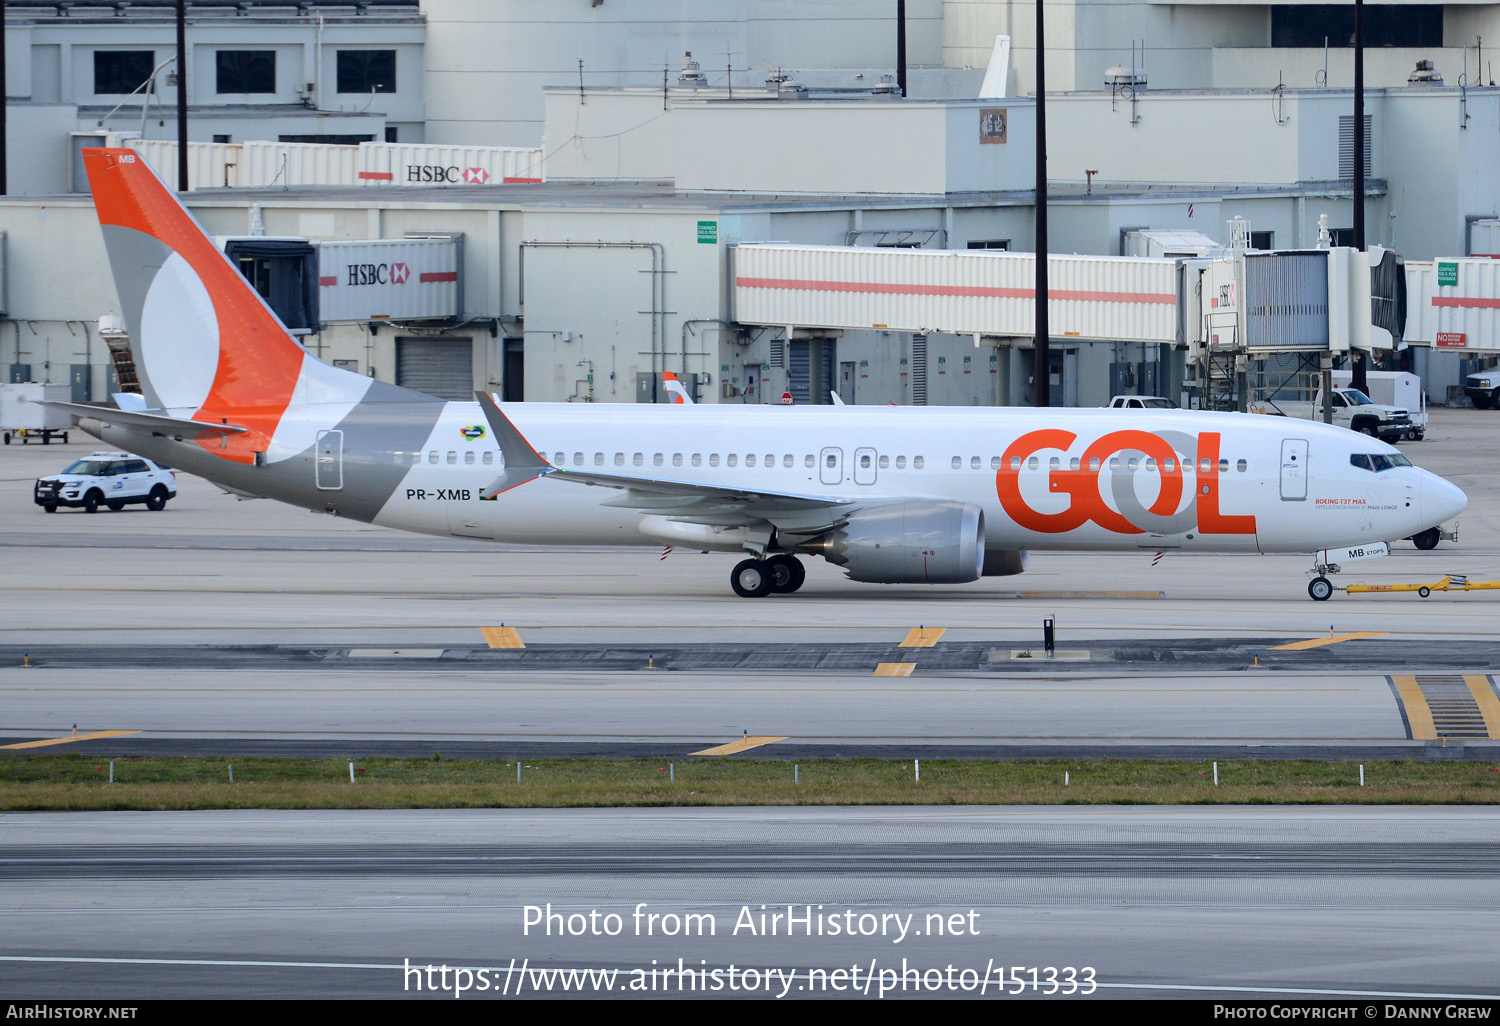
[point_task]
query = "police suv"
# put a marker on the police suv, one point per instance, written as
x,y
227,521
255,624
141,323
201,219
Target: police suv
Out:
x,y
107,479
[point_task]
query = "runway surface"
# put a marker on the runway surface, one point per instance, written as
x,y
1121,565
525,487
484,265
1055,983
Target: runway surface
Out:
x,y
219,627
1223,903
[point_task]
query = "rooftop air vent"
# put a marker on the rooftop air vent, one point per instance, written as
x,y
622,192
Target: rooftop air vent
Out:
x,y
1424,75
692,75
1123,75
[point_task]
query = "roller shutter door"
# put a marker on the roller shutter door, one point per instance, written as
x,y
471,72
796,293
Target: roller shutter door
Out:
x,y
443,367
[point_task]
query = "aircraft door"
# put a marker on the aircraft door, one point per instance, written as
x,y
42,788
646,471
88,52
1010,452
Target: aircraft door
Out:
x,y
330,466
1293,469
831,466
864,466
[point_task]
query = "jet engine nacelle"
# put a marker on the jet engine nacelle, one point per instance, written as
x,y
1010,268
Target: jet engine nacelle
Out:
x,y
912,542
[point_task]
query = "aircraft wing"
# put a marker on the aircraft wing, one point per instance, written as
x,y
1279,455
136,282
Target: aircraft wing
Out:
x,y
163,423
686,501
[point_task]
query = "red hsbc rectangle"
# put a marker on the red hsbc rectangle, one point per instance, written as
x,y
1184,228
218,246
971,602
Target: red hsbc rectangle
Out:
x,y
378,176
1451,340
438,276
328,279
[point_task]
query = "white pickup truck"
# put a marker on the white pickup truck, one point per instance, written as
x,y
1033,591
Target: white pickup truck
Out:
x,y
1351,409
1141,402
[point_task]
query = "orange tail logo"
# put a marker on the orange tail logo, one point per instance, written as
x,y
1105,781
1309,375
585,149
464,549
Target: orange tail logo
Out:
x,y
204,340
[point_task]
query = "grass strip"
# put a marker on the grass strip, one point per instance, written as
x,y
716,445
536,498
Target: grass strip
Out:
x,y
76,782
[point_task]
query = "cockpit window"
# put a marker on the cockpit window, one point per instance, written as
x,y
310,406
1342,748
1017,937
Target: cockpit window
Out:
x,y
1378,461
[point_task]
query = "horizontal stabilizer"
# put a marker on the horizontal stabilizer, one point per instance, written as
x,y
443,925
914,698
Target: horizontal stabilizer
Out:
x,y
160,423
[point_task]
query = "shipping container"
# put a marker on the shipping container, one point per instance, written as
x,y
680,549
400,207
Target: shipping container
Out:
x,y
294,164
20,412
398,279
963,292
210,165
1454,304
415,164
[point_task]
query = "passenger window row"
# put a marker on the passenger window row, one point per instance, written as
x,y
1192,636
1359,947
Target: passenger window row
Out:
x,y
579,459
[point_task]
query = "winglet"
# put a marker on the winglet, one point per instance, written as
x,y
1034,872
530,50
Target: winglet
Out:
x,y
522,462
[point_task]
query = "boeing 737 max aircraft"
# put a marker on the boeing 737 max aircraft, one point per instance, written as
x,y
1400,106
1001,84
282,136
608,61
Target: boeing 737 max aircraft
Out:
x,y
891,494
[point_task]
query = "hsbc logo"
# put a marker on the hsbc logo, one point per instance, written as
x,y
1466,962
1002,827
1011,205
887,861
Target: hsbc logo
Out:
x,y
377,274
451,174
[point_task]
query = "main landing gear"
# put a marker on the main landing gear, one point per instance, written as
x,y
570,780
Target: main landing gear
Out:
x,y
757,578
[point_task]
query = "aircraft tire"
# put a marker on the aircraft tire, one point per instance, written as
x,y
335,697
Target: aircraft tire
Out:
x,y
788,573
1427,539
1320,588
752,578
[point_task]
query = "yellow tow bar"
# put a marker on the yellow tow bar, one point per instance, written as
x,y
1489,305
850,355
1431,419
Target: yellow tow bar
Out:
x,y
1453,582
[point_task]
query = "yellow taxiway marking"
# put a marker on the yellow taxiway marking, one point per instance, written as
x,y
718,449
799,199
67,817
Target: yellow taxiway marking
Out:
x,y
1418,713
502,637
70,739
742,745
1484,697
894,669
1332,639
923,637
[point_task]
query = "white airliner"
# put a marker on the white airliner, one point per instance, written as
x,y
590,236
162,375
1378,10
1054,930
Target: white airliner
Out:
x,y
891,494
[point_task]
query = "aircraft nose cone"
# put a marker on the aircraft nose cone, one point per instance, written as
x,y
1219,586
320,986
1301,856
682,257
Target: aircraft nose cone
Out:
x,y
1441,500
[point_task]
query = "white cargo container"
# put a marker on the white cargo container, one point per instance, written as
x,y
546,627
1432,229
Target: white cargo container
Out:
x,y
399,279
210,165
21,416
959,291
1393,388
413,164
293,164
1454,304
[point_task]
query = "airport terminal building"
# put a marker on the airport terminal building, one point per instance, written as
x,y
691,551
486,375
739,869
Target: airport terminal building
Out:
x,y
582,258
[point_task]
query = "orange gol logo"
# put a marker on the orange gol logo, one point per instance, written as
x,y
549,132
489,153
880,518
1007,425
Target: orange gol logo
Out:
x,y
1084,486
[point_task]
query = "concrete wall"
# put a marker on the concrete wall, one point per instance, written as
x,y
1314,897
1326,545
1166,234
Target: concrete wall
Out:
x,y
785,147
489,60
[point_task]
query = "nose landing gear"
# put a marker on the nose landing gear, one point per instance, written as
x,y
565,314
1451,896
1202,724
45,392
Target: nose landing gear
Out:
x,y
1320,587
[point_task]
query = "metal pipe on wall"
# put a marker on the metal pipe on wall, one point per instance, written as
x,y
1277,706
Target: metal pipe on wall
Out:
x,y
658,289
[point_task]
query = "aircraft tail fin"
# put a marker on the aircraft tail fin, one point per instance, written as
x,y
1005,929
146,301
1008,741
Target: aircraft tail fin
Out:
x,y
676,389
206,345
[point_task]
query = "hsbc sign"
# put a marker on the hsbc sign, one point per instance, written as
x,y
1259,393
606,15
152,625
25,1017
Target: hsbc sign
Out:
x,y
376,274
404,279
452,174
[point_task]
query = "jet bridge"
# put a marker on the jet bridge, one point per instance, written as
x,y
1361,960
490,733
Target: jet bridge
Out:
x,y
980,293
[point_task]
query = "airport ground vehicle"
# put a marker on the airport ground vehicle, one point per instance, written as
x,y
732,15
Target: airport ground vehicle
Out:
x,y
1351,409
111,479
1397,389
23,416
1141,402
1483,388
891,495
